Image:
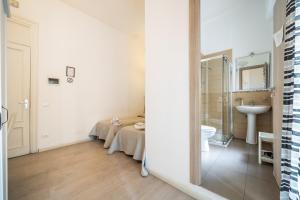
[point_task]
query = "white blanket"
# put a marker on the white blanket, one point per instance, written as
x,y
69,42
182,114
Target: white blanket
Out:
x,y
132,142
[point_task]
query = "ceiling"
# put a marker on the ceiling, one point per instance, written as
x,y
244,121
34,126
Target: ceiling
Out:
x,y
124,15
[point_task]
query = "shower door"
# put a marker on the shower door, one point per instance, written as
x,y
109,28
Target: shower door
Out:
x,y
216,110
212,94
227,101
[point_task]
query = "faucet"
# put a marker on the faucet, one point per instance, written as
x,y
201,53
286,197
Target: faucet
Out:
x,y
240,100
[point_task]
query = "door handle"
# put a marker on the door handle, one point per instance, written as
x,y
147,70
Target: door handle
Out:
x,y
25,103
6,110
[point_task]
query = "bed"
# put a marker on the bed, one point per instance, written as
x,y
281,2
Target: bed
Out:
x,y
105,130
131,141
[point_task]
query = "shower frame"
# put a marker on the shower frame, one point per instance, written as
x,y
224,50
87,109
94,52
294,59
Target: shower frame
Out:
x,y
225,141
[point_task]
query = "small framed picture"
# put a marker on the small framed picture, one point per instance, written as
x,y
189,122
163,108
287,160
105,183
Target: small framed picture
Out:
x,y
70,72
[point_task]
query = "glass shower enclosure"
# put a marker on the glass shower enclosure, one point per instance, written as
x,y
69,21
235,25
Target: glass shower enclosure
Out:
x,y
216,98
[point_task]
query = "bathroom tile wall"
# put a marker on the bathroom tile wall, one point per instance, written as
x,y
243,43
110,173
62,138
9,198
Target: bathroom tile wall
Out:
x,y
263,121
211,89
213,103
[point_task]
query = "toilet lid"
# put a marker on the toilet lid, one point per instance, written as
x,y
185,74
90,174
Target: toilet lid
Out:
x,y
208,128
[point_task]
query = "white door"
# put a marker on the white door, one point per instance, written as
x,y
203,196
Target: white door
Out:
x,y
18,95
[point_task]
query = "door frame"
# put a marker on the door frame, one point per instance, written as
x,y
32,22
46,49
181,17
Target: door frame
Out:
x,y
33,106
3,151
195,91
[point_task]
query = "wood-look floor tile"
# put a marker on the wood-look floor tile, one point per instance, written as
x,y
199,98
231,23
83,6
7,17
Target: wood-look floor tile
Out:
x,y
83,172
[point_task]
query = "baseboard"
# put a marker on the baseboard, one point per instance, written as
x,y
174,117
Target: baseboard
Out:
x,y
194,191
64,145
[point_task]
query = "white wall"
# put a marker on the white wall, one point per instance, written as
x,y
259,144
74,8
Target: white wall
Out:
x,y
167,93
137,73
241,25
167,88
104,62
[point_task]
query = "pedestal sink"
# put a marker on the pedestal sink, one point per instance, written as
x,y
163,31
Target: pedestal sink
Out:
x,y
252,111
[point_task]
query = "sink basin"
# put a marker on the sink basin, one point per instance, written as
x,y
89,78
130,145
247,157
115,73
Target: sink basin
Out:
x,y
252,111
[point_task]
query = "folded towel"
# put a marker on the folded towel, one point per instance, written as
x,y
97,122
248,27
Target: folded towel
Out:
x,y
115,121
139,126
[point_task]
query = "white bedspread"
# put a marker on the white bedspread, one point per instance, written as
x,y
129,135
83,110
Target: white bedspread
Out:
x,y
132,142
105,130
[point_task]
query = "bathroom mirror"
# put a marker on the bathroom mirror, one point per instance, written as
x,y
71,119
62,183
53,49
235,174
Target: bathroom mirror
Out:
x,y
253,72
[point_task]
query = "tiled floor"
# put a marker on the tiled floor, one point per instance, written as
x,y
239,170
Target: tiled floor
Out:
x,y
234,173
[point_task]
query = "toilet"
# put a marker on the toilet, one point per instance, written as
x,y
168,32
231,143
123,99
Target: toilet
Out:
x,y
206,133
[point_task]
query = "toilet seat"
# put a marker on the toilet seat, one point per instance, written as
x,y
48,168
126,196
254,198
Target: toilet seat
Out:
x,y
206,133
208,128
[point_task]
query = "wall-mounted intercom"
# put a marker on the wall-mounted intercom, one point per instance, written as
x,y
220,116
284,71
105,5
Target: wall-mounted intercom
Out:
x,y
53,81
